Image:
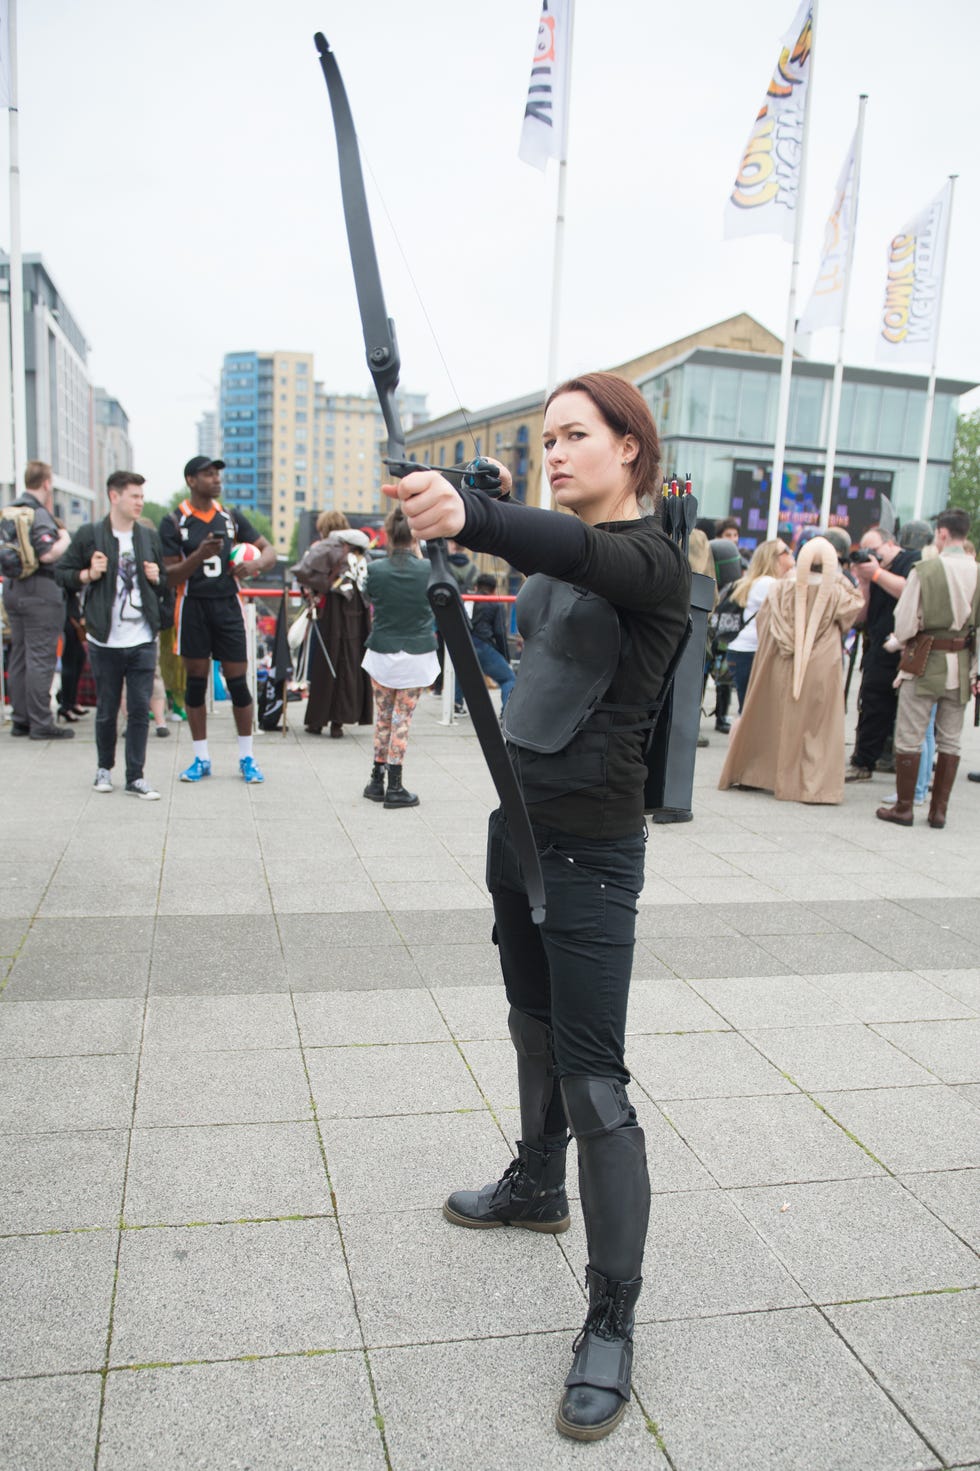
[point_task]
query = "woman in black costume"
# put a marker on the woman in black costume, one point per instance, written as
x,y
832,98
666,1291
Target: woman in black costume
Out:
x,y
601,626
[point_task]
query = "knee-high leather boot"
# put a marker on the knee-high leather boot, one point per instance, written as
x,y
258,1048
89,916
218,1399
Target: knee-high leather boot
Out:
x,y
531,1191
906,776
615,1191
942,785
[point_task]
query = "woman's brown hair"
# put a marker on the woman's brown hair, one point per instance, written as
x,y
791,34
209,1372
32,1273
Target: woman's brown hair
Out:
x,y
624,409
328,521
398,531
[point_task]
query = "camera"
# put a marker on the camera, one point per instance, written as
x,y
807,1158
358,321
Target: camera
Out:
x,y
863,555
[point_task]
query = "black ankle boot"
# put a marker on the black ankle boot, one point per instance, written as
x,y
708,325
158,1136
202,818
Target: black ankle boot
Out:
x,y
396,795
530,1193
597,1389
375,789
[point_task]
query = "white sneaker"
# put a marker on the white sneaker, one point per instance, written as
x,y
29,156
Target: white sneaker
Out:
x,y
141,788
103,780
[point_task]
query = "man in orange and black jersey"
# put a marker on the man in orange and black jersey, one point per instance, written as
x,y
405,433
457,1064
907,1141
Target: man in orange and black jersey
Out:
x,y
197,541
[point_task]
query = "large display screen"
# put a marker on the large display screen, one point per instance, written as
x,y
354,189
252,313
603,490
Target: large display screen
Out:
x,y
855,503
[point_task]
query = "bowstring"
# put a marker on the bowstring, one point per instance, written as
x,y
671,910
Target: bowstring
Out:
x,y
418,297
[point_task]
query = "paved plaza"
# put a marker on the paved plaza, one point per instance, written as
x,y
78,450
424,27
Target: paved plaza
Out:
x,y
250,1037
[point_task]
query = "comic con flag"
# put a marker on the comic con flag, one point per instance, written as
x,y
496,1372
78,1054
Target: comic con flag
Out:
x,y
909,326
763,201
826,305
543,132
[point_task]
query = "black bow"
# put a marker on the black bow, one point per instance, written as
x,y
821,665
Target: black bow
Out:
x,y
443,590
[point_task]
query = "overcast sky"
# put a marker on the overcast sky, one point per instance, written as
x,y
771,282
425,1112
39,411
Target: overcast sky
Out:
x,y
179,177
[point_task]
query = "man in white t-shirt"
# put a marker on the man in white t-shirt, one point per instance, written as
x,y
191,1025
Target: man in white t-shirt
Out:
x,y
118,564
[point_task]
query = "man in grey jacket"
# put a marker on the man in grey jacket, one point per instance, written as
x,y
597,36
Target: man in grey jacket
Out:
x,y
118,563
36,611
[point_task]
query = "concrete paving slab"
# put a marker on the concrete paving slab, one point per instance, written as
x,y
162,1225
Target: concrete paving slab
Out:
x,y
213,1292
963,985
88,935
302,933
822,1237
922,1350
953,1196
457,964
771,1001
712,956
768,919
686,922
474,1012
61,1182
357,968
294,1414
476,1272
413,1162
56,1293
492,1065
828,954
444,927
38,977
65,1028
365,1082
13,932
702,1259
702,1065
950,1049
928,945
346,1019
890,996
910,1128
767,1141
77,900
227,1172
458,1430
222,1088
218,1023
850,1056
41,1094
748,1369
50,1422
668,1004
187,896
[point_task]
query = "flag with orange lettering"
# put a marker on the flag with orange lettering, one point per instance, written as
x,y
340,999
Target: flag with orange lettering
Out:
x,y
543,130
909,326
764,198
826,305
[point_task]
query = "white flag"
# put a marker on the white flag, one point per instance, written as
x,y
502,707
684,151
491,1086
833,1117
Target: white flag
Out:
x,y
543,132
826,305
763,201
6,92
909,326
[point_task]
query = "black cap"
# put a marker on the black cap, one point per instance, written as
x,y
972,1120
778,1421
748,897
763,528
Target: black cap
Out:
x,y
201,462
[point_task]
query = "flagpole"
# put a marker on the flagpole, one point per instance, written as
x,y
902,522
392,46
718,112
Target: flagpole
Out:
x,y
920,483
835,397
557,260
17,373
786,370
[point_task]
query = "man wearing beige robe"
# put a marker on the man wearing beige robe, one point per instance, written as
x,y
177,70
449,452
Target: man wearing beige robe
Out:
x,y
941,600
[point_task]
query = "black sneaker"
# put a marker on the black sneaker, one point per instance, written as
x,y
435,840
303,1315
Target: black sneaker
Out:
x,y
17,729
53,733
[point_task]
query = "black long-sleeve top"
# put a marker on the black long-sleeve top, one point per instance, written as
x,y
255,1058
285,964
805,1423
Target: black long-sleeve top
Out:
x,y
647,579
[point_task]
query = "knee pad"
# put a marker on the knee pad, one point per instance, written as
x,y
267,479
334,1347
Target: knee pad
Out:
x,y
595,1105
239,691
530,1037
197,690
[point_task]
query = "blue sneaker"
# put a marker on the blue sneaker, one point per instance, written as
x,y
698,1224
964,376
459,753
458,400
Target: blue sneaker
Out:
x,y
197,770
250,771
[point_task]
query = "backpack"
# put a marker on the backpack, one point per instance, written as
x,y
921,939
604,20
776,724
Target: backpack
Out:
x,y
270,696
727,621
18,559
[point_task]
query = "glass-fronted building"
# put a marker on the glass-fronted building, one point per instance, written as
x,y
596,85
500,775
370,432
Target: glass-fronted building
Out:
x,y
716,412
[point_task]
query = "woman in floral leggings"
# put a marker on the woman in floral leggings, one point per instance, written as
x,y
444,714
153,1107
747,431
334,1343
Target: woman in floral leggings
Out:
x,y
401,655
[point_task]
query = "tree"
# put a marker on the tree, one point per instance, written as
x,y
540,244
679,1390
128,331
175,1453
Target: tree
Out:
x,y
964,476
155,511
293,553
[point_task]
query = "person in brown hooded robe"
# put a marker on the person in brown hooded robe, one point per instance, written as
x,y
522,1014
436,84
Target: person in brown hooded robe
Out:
x,y
344,622
790,739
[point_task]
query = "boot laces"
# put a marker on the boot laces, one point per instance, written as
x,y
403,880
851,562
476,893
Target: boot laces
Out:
x,y
604,1319
512,1178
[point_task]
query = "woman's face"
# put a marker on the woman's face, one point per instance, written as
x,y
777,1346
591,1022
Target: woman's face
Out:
x,y
784,563
587,462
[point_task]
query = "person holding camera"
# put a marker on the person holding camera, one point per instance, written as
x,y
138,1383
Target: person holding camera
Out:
x,y
880,567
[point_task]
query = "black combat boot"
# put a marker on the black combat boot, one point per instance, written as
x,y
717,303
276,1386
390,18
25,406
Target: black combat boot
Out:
x,y
531,1191
375,789
615,1194
396,795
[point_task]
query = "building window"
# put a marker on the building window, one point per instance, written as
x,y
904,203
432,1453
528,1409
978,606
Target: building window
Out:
x,y
458,452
